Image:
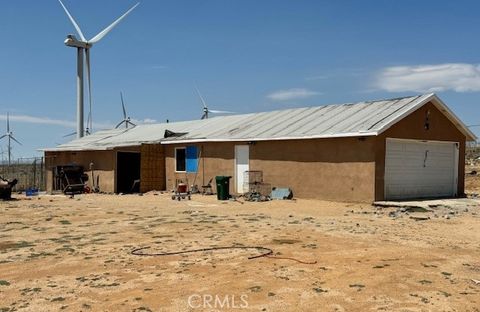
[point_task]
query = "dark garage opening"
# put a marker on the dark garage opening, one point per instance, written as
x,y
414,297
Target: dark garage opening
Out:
x,y
128,172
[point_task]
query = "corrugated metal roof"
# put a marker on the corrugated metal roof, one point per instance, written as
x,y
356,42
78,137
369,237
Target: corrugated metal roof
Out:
x,y
344,120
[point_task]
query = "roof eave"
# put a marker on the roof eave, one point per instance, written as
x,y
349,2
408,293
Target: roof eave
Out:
x,y
255,139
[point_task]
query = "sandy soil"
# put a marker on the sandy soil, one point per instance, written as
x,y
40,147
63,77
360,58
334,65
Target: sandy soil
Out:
x,y
67,254
472,181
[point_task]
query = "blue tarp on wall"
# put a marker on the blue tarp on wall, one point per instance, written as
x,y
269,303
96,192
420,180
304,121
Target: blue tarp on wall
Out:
x,y
192,158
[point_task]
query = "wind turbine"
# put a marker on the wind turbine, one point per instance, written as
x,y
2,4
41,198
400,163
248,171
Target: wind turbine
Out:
x,y
126,119
206,110
83,47
10,137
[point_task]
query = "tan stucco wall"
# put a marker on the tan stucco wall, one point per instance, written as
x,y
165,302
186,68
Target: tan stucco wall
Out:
x,y
339,169
216,159
104,164
413,127
336,169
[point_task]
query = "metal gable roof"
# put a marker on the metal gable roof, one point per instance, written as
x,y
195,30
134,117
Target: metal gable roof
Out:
x,y
344,120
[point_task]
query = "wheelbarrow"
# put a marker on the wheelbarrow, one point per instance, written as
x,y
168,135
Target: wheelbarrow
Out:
x,y
182,192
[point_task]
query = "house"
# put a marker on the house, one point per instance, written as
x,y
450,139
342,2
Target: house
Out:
x,y
411,147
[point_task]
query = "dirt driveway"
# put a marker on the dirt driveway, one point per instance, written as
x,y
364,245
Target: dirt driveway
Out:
x,y
67,254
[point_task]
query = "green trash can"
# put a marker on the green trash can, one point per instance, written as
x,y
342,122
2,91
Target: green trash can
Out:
x,y
223,187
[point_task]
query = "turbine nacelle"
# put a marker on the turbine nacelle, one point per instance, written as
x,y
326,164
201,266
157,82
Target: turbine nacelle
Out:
x,y
72,41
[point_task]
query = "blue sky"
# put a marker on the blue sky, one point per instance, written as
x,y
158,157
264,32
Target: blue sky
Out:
x,y
245,56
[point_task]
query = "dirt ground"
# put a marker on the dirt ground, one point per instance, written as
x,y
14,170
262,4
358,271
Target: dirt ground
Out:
x,y
67,254
472,181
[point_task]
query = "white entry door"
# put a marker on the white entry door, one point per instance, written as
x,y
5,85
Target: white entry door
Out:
x,y
416,169
241,165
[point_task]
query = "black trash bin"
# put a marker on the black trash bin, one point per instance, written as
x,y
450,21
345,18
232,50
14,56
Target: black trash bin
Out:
x,y
223,187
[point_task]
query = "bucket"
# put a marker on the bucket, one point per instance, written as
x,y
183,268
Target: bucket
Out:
x,y
31,192
181,188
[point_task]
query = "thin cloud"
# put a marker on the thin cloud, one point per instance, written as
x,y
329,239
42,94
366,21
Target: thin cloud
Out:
x,y
39,120
458,77
48,121
291,94
144,121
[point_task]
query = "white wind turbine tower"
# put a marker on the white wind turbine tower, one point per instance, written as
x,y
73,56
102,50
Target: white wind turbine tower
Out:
x,y
206,110
83,46
10,137
126,119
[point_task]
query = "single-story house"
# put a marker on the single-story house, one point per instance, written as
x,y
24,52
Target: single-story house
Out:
x,y
411,147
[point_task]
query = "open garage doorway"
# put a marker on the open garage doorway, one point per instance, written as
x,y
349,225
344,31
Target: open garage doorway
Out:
x,y
128,172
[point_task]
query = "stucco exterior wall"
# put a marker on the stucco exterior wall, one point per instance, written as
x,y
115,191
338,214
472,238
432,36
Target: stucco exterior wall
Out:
x,y
340,169
103,164
413,127
215,159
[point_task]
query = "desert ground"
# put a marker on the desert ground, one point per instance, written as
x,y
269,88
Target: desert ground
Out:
x,y
58,253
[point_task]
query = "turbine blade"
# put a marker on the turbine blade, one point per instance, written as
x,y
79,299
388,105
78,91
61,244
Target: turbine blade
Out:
x,y
79,31
220,112
104,32
1,137
203,116
119,124
15,139
68,135
89,82
131,123
123,107
201,97
8,123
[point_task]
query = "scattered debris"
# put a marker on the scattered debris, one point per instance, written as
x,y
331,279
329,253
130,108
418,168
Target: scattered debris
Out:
x,y
281,193
256,197
419,218
427,209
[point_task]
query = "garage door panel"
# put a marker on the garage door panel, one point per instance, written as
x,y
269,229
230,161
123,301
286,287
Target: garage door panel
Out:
x,y
416,169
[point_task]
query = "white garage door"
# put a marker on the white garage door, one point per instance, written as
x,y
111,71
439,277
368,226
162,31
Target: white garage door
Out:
x,y
416,169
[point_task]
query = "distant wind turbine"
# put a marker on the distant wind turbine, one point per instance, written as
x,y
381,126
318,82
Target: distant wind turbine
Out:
x,y
206,110
10,137
126,119
82,46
